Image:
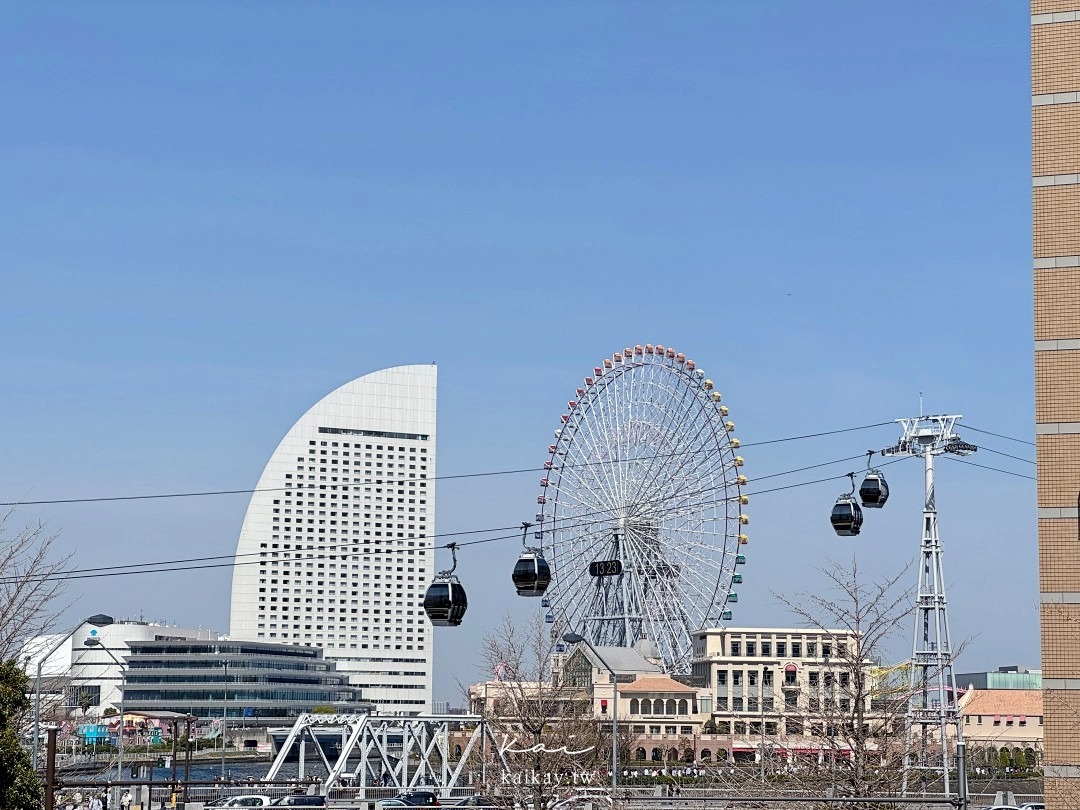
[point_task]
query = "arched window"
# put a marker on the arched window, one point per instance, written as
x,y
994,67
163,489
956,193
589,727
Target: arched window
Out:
x,y
656,755
671,706
646,706
706,755
633,706
658,706
683,706
639,754
688,755
673,755
721,755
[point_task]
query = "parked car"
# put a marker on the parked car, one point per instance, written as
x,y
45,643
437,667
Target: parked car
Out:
x,y
419,798
478,800
299,800
1033,806
251,800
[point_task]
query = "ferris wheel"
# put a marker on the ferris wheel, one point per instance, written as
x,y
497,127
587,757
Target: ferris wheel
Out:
x,y
641,506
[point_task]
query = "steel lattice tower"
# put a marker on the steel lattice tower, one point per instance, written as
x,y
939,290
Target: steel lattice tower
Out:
x,y
931,698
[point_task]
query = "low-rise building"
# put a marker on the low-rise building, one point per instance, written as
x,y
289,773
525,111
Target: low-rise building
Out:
x,y
1003,727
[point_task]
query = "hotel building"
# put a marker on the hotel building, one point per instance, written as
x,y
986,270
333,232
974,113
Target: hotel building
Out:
x,y
336,548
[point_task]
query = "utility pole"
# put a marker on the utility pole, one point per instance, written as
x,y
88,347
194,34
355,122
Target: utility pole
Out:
x,y
932,700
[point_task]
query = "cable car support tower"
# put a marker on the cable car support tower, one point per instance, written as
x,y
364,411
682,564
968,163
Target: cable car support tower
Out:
x,y
931,693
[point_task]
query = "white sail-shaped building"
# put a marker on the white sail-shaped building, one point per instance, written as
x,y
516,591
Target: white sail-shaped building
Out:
x,y
336,550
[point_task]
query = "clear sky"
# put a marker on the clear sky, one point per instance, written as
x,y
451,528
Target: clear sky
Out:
x,y
215,213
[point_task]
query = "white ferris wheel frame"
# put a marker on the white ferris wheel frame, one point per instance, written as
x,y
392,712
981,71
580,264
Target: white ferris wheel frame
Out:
x,y
643,470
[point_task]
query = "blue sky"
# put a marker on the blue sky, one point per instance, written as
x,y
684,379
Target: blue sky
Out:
x,y
214,214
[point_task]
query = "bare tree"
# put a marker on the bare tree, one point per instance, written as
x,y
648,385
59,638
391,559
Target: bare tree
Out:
x,y
546,728
29,585
858,718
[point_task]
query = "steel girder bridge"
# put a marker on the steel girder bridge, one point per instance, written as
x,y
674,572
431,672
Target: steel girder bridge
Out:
x,y
382,751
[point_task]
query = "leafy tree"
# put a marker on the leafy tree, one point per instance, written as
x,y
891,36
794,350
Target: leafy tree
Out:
x,y
19,785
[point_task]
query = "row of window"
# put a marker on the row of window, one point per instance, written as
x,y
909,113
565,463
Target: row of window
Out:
x,y
764,649
999,720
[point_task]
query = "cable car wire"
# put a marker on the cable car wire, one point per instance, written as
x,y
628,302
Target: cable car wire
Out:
x,y
985,467
999,435
342,546
386,481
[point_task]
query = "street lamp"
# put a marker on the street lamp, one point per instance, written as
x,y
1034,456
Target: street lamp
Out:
x,y
224,712
98,620
94,641
761,707
577,638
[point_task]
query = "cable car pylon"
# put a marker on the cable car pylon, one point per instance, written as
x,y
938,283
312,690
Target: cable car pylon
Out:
x,y
932,703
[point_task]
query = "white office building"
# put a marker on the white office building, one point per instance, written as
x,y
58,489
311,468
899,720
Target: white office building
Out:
x,y
336,550
87,667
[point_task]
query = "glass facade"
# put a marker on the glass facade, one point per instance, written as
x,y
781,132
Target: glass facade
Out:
x,y
256,683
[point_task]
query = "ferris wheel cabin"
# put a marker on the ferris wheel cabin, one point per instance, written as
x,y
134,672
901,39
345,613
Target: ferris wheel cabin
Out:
x,y
445,602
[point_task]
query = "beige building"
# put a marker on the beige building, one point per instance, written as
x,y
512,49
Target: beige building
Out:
x,y
1055,123
1002,720
788,691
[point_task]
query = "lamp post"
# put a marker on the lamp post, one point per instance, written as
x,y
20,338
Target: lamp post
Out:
x,y
577,638
94,641
98,620
761,707
224,712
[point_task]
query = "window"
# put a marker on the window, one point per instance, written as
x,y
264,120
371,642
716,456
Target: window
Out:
x,y
736,677
781,649
736,649
811,649
751,649
721,677
766,649
796,649
813,678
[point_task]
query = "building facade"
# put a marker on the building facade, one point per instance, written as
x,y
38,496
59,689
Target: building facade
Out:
x,y
1011,677
1003,726
83,680
788,692
781,693
246,682
336,549
1055,123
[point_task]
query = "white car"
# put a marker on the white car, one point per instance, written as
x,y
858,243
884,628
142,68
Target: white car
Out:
x,y
250,800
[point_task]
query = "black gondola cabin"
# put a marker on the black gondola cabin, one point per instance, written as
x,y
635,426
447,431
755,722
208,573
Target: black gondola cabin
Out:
x,y
445,602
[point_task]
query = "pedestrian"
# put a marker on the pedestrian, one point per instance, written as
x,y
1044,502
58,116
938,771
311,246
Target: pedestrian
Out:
x,y
125,800
95,803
